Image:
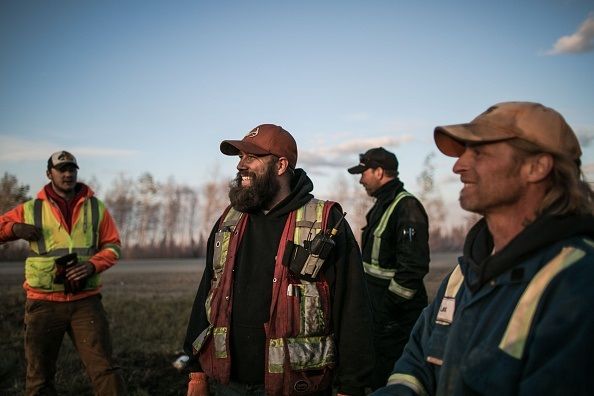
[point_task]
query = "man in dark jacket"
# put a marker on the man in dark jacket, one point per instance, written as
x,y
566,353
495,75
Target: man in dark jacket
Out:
x,y
515,316
258,324
395,257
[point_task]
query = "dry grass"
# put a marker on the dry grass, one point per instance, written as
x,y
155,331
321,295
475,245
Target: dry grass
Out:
x,y
148,315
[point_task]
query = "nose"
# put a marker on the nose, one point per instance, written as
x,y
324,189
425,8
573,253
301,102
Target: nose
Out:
x,y
241,164
462,163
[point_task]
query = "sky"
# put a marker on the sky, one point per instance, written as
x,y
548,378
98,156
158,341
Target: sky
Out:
x,y
154,86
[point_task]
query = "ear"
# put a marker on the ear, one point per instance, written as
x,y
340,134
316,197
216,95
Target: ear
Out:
x,y
48,174
538,167
378,173
282,165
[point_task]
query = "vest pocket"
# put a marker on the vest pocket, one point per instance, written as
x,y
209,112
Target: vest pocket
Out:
x,y
40,272
306,353
311,364
309,307
220,342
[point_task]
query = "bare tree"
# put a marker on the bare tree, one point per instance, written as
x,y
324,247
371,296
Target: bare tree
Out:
x,y
431,199
354,201
190,204
171,212
11,193
147,209
94,183
214,201
120,201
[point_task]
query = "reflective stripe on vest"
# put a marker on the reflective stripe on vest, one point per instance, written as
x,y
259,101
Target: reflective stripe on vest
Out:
x,y
374,268
445,315
447,308
303,341
40,267
514,339
409,381
308,221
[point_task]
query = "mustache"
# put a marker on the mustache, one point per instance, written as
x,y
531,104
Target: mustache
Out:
x,y
237,181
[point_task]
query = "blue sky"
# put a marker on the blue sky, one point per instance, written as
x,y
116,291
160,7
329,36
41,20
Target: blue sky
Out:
x,y
154,86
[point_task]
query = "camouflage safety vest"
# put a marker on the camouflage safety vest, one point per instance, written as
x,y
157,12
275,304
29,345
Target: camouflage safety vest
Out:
x,y
300,349
40,266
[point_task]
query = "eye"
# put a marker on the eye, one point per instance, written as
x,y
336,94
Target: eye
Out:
x,y
247,158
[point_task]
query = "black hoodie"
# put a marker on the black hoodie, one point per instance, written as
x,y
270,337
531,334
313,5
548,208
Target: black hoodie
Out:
x,y
543,232
252,294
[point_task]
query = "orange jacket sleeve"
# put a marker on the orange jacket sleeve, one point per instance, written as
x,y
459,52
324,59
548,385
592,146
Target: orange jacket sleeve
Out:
x,y
7,220
109,244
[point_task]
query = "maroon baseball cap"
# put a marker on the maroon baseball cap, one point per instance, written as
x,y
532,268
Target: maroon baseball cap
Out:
x,y
263,140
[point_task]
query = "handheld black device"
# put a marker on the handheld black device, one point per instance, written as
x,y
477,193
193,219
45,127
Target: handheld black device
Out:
x,y
307,261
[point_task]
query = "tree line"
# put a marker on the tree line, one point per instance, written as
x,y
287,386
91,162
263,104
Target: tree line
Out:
x,y
173,220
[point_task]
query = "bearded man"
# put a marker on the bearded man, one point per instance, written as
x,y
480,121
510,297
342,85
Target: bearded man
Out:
x,y
282,307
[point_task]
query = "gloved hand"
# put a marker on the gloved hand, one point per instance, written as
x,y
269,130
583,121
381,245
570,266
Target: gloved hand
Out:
x,y
76,275
80,271
26,231
198,385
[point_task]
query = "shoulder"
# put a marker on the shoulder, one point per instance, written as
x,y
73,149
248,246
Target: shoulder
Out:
x,y
409,207
572,267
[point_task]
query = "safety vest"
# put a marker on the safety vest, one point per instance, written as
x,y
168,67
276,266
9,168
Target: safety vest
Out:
x,y
373,267
300,349
40,266
513,341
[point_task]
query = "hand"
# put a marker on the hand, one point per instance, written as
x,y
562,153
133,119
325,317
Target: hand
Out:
x,y
26,231
80,271
198,385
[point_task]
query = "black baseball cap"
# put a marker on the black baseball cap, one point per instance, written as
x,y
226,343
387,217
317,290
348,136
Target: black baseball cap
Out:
x,y
377,157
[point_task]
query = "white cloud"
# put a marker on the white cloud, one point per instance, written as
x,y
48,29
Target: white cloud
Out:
x,y
345,154
579,42
14,149
585,136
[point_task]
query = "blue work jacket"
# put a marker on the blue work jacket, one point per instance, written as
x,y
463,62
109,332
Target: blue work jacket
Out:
x,y
527,331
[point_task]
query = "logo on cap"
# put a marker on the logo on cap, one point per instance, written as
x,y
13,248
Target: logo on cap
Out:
x,y
253,133
65,156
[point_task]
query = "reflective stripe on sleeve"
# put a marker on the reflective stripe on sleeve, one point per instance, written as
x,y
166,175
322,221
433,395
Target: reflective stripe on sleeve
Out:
x,y
378,272
409,381
401,291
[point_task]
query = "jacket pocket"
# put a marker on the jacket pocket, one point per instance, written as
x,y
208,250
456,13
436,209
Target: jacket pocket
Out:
x,y
40,272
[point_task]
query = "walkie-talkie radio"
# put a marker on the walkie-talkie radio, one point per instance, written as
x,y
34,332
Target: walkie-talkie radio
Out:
x,y
307,261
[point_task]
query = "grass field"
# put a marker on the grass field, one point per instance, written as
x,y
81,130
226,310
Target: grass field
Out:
x,y
148,314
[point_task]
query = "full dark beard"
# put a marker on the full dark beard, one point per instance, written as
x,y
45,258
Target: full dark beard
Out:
x,y
258,195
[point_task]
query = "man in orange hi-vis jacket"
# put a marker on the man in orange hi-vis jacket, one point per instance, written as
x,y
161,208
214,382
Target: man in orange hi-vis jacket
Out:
x,y
72,238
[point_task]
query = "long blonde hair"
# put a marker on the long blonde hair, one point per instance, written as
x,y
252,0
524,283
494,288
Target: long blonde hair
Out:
x,y
568,191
